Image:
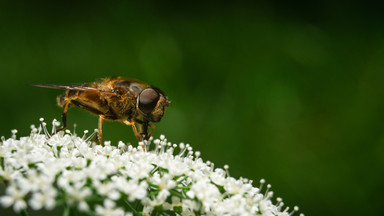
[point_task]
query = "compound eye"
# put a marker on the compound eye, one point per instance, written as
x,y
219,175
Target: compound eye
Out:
x,y
148,99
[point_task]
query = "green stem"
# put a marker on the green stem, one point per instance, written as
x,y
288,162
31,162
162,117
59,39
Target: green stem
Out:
x,y
130,206
2,163
67,211
24,213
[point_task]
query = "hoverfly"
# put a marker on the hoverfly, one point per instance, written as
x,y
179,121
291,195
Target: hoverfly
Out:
x,y
117,99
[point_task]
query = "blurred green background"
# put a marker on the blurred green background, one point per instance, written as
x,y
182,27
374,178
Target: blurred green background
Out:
x,y
289,91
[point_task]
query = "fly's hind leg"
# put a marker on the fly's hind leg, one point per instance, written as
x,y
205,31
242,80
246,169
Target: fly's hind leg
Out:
x,y
64,118
100,129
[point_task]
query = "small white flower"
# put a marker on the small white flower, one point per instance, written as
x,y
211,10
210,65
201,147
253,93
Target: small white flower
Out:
x,y
109,209
44,199
218,177
136,191
107,189
190,206
207,193
77,194
14,197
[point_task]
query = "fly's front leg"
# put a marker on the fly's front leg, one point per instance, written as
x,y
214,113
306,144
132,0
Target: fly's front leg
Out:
x,y
152,129
139,137
144,129
131,123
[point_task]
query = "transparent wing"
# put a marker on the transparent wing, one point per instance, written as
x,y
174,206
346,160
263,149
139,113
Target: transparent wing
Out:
x,y
76,87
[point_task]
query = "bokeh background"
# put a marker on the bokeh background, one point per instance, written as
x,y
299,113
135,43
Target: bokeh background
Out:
x,y
289,91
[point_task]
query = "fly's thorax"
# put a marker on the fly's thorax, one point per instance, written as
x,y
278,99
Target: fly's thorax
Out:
x,y
123,106
131,87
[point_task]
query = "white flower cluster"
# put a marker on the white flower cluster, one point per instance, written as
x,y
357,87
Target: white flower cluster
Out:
x,y
43,172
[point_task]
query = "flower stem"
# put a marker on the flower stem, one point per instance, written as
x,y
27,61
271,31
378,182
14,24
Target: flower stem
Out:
x,y
24,213
67,211
130,206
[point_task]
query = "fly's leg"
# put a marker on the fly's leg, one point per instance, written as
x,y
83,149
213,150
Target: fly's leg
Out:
x,y
64,118
139,137
153,129
100,129
131,123
144,129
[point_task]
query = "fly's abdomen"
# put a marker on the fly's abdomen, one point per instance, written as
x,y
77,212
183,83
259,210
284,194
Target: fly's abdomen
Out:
x,y
90,101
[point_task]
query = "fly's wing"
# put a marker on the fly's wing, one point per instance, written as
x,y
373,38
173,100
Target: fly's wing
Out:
x,y
75,87
89,100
